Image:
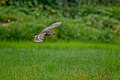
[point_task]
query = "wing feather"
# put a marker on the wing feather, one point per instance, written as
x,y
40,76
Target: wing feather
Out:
x,y
52,26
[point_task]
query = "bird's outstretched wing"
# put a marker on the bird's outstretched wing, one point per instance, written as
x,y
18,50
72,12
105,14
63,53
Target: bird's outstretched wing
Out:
x,y
52,26
41,35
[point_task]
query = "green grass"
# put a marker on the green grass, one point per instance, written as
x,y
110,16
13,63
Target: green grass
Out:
x,y
59,61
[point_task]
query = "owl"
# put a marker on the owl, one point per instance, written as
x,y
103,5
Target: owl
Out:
x,y
46,32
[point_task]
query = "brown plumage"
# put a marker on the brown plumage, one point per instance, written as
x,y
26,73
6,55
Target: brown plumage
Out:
x,y
46,32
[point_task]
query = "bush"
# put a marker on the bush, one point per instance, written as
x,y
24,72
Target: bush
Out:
x,y
89,27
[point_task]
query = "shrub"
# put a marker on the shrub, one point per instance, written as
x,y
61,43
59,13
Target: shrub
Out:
x,y
89,27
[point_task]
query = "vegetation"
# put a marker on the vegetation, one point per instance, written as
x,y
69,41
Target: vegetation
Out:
x,y
86,46
59,61
99,24
59,3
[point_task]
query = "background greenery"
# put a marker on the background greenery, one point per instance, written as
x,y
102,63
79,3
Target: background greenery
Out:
x,y
59,3
86,46
98,23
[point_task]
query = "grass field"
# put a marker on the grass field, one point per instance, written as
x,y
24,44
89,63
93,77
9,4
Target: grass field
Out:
x,y
59,61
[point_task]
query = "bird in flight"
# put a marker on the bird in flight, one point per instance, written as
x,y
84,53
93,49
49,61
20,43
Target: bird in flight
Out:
x,y
46,32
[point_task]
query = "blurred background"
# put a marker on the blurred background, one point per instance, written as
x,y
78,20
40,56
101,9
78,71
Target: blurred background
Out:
x,y
83,20
86,46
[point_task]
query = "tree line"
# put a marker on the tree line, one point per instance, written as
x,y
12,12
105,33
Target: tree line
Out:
x,y
58,3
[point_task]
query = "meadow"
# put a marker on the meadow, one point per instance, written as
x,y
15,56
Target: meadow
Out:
x,y
59,61
85,47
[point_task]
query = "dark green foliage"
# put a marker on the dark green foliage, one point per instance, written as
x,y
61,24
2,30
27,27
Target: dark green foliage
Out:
x,y
80,32
59,3
86,24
